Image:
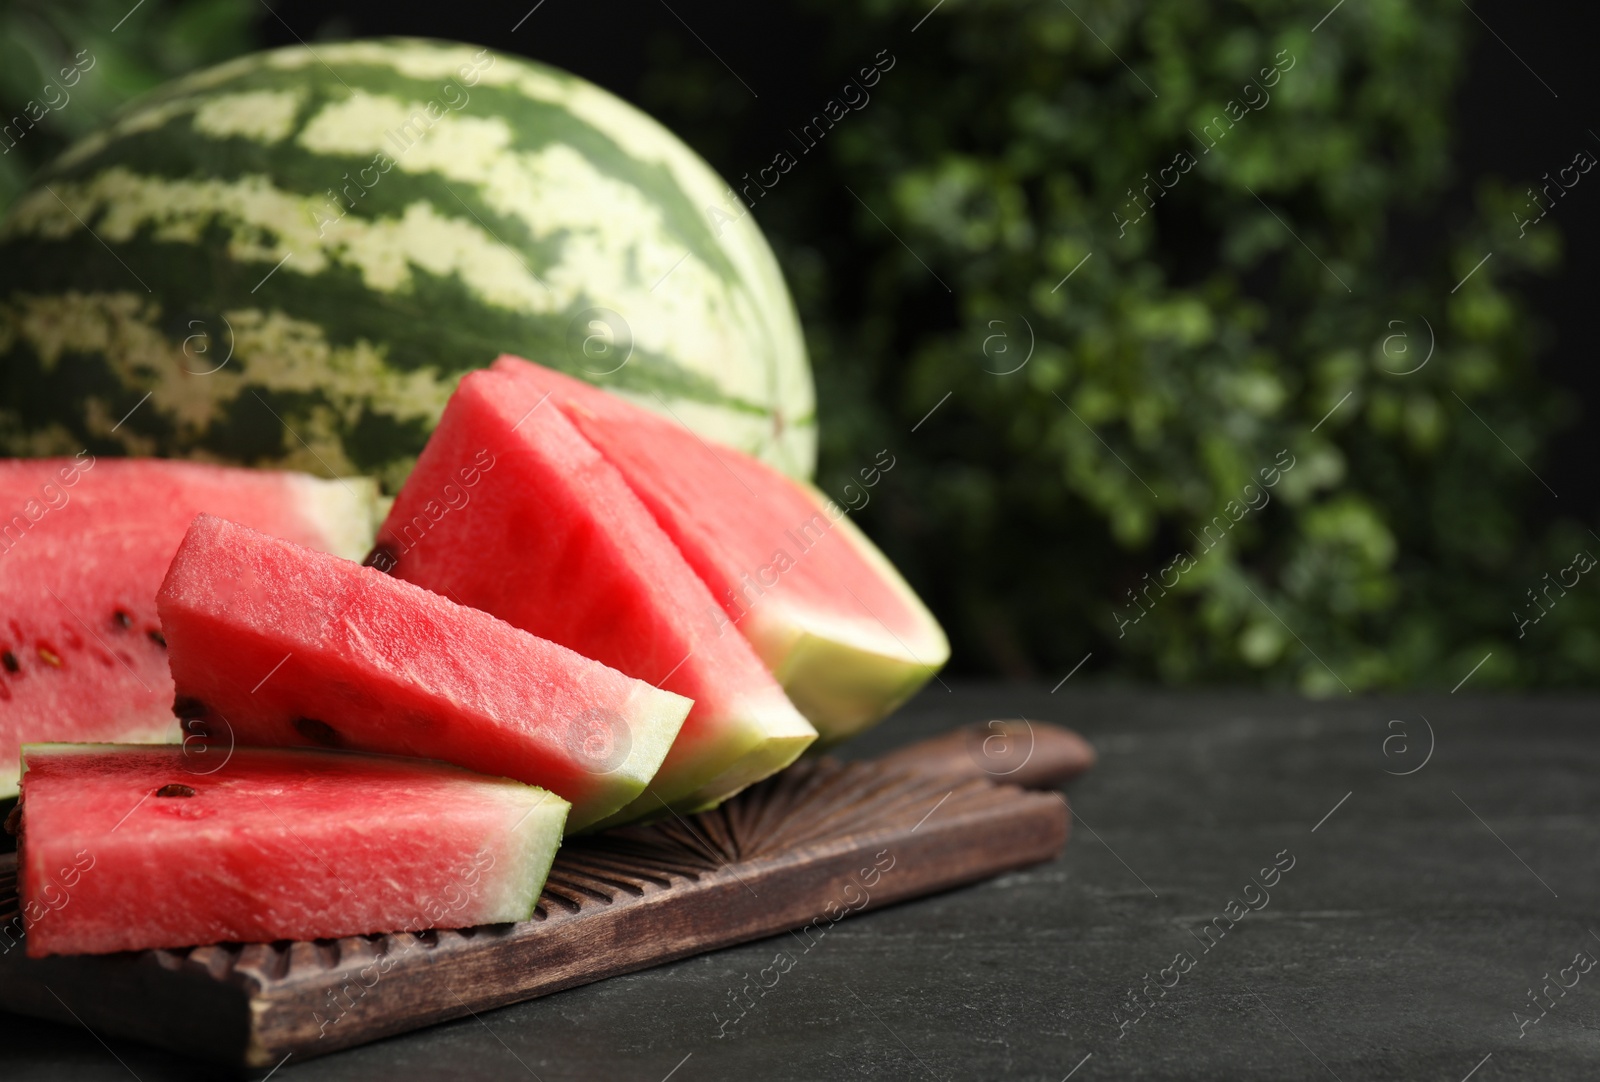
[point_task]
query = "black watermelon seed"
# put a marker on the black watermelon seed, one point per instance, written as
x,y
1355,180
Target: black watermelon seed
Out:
x,y
318,732
158,638
185,706
381,557
9,660
175,789
122,619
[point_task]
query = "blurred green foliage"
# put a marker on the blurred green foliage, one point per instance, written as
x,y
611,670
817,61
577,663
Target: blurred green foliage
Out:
x,y
1270,307
1248,313
123,50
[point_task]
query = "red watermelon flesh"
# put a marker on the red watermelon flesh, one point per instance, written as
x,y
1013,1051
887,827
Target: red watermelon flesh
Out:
x,y
512,511
275,644
126,847
83,547
841,630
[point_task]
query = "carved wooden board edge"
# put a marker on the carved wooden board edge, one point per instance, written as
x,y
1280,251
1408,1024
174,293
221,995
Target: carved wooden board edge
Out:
x,y
821,839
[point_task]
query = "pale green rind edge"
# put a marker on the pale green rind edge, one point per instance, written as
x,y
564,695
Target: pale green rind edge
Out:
x,y
841,688
749,757
543,833
348,511
772,757
659,715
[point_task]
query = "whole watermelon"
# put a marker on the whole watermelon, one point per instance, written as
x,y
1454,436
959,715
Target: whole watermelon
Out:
x,y
291,258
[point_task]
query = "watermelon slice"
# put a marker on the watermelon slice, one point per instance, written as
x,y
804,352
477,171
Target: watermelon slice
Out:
x,y
271,643
82,554
550,538
124,847
841,630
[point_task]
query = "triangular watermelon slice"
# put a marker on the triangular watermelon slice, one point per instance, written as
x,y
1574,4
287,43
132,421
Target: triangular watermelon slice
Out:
x,y
127,847
275,644
82,554
510,510
841,630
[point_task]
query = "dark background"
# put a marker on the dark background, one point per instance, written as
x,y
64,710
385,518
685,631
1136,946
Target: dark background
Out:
x,y
997,153
1506,124
1505,120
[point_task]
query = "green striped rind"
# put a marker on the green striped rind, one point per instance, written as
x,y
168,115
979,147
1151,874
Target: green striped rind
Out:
x,y
297,256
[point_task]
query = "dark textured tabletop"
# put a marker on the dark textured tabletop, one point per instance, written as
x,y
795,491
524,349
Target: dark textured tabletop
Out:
x,y
1257,888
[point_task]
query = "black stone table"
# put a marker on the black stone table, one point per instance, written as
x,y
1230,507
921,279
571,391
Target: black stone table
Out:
x,y
1427,884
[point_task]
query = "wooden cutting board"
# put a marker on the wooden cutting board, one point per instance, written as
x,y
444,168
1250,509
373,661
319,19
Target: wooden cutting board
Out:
x,y
818,842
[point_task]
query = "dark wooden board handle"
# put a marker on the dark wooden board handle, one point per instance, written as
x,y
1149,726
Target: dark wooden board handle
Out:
x,y
1029,754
